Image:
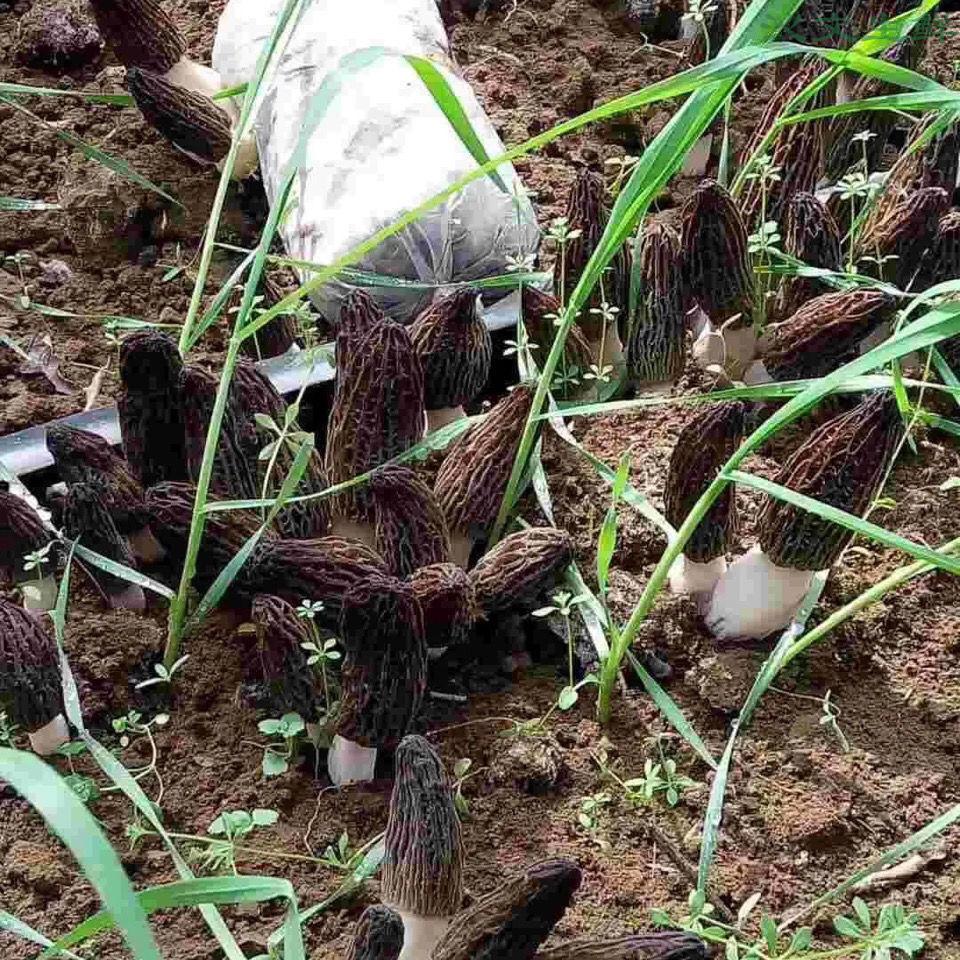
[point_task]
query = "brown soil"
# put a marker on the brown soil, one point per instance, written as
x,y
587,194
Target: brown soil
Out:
x,y
801,813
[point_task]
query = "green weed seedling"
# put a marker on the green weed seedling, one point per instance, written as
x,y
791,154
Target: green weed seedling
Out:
x,y
8,730
287,731
321,652
341,856
163,675
220,856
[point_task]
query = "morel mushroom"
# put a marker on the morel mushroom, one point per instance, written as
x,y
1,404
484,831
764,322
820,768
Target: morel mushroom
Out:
x,y
842,464
540,310
810,234
411,531
83,457
512,922
87,519
669,945
945,262
656,346
454,347
717,277
473,477
30,690
384,674
449,604
22,533
703,447
520,568
423,858
377,414
822,334
281,633
323,569
233,476
378,935
151,417
587,213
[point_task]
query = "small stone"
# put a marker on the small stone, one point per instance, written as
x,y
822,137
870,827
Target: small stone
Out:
x,y
532,764
58,36
55,273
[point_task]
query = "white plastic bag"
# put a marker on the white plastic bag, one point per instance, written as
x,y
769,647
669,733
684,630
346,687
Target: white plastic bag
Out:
x,y
382,148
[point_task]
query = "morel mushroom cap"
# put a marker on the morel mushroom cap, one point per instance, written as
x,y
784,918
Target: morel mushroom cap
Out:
x,y
323,569
359,315
378,935
281,633
234,470
945,262
520,568
423,861
669,945
473,477
703,447
656,347
811,234
512,922
797,151
377,410
841,464
384,673
30,691
449,604
21,532
540,310
715,259
823,333
171,511
454,347
86,518
140,33
277,336
149,408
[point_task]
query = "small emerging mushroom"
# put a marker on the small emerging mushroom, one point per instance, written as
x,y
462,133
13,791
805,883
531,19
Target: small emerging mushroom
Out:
x,y
842,464
378,935
541,310
384,674
656,348
944,264
87,519
30,690
473,477
822,334
84,457
669,945
448,600
454,347
151,417
280,634
520,568
411,531
21,533
423,859
513,921
703,447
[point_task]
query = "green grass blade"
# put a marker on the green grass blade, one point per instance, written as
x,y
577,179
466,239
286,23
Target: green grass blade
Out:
x,y
91,96
12,925
72,822
863,528
16,205
124,573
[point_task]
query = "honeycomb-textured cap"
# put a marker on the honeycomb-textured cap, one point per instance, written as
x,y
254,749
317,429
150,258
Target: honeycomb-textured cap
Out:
x,y
21,532
139,33
541,310
668,945
448,601
378,935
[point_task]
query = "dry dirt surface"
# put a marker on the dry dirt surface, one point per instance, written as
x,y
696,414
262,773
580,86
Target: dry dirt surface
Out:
x,y
805,806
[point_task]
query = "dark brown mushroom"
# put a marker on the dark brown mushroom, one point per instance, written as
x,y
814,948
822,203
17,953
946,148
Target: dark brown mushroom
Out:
x,y
473,477
518,570
704,445
513,921
384,674
140,33
842,464
411,531
944,264
454,347
656,347
823,334
149,408
21,533
280,334
292,684
378,935
30,690
86,519
423,848
669,945
449,604
540,311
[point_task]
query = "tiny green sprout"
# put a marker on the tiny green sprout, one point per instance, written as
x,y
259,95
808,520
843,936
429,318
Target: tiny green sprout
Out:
x,y
321,652
83,787
277,756
830,719
589,813
308,609
658,778
623,166
461,774
766,239
564,603
765,170
513,348
34,561
341,856
231,826
598,373
7,729
163,675
559,232
521,264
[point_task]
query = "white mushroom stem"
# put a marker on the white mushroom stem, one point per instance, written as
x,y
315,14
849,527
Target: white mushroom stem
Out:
x,y
441,417
756,373
50,736
40,596
351,530
421,935
349,762
740,346
129,597
698,579
206,81
145,546
755,597
461,546
708,348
